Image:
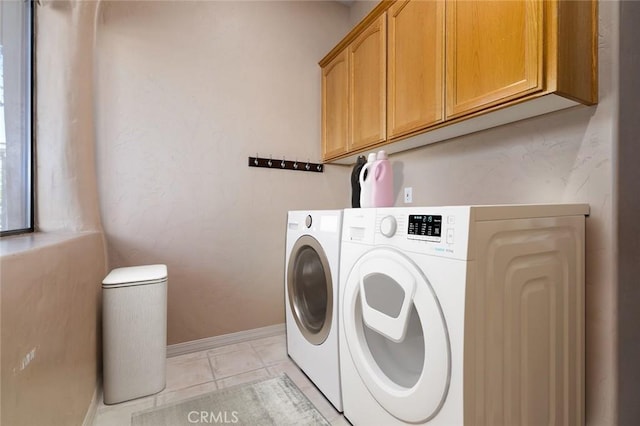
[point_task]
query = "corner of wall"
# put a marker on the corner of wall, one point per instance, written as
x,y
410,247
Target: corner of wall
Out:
x,y
50,331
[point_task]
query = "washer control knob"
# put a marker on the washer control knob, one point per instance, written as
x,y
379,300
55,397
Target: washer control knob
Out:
x,y
308,221
388,226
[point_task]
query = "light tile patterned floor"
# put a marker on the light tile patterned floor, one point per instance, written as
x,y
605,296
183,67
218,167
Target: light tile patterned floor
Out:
x,y
201,372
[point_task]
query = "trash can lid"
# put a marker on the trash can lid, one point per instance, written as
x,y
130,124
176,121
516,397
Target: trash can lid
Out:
x,y
136,275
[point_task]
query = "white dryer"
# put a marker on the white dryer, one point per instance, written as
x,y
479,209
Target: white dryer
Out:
x,y
463,315
311,297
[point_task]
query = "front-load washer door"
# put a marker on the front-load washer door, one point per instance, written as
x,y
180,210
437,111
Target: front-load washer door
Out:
x,y
310,289
397,335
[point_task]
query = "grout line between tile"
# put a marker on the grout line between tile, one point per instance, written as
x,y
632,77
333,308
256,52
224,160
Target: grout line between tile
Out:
x,y
213,374
259,357
244,372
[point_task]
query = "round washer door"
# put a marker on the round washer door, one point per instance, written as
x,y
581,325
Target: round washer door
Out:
x,y
407,372
310,289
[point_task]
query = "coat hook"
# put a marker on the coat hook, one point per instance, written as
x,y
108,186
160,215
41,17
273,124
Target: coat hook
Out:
x,y
255,161
308,166
270,162
282,163
319,167
295,164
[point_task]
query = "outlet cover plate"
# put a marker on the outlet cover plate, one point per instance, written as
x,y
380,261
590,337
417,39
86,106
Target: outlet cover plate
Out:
x,y
408,195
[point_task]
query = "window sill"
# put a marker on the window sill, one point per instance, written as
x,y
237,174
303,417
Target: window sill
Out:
x,y
17,244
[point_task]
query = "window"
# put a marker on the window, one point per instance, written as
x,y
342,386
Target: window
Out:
x,y
16,42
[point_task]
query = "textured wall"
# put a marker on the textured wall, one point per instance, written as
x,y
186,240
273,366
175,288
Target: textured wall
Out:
x,y
186,92
66,170
50,336
359,10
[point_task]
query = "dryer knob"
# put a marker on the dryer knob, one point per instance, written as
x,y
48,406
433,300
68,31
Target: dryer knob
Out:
x,y
388,226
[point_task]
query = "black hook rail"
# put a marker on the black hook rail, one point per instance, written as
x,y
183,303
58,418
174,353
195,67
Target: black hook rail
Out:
x,y
282,164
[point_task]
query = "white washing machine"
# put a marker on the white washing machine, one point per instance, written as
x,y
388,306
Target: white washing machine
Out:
x,y
311,297
468,315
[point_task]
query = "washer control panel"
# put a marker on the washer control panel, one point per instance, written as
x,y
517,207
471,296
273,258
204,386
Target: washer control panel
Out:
x,y
425,227
442,231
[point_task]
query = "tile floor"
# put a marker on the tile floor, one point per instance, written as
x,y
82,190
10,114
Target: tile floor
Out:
x,y
201,372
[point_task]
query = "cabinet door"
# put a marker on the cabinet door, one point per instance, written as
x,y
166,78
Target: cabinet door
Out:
x,y
367,85
494,52
335,107
415,64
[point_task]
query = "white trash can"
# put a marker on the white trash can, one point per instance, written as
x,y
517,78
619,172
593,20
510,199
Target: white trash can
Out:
x,y
134,332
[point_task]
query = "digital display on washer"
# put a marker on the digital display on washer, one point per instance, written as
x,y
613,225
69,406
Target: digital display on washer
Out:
x,y
425,227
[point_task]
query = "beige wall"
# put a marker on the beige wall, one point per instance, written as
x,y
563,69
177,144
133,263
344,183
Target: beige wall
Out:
x,y
359,10
50,328
186,92
66,178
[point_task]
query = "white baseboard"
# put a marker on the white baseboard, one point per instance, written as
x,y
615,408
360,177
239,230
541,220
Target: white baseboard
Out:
x,y
90,416
225,339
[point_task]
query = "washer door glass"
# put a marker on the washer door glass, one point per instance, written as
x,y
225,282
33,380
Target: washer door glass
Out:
x,y
396,335
310,289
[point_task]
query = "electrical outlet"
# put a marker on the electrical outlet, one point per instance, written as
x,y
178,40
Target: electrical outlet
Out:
x,y
408,195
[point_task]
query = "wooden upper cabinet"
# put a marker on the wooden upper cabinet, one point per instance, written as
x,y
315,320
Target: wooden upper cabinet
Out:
x,y
367,85
335,107
415,86
494,52
447,68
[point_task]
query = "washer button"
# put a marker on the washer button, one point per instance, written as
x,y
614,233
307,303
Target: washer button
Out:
x,y
450,236
451,220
